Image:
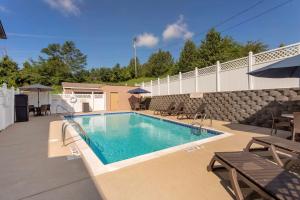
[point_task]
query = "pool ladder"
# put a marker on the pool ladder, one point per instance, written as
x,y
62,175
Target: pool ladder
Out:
x,y
82,133
70,113
73,123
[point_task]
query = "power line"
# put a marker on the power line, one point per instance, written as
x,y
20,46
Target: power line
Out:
x,y
226,20
256,16
248,19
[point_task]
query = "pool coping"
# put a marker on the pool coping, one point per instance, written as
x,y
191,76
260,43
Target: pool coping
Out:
x,y
95,165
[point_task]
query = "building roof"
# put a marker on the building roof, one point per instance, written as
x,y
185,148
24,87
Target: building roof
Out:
x,y
81,85
2,32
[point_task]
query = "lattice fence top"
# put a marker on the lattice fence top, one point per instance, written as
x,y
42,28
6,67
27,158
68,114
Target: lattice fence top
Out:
x,y
234,64
174,78
187,75
267,56
207,70
277,54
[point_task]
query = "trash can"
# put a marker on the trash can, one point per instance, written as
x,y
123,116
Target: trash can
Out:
x,y
85,107
21,108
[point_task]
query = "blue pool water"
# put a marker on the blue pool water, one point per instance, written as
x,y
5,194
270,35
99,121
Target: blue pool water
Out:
x,y
116,137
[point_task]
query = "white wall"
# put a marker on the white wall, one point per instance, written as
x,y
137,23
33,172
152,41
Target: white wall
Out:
x,y
96,102
228,76
7,106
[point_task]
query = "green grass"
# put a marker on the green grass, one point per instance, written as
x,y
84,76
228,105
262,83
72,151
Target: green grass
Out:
x,y
57,89
132,82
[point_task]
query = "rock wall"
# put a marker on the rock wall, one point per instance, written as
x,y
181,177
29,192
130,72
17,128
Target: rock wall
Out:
x,y
246,107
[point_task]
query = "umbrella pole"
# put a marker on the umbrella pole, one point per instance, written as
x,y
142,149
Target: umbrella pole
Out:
x,y
38,98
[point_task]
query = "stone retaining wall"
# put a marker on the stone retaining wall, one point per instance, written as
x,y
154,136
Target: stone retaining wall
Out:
x,y
246,107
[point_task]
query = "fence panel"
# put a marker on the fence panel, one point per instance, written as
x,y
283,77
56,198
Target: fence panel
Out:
x,y
174,84
233,80
73,103
230,76
7,106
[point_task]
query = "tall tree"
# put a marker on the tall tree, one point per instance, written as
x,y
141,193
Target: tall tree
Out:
x,y
9,73
189,57
159,63
61,63
254,46
68,54
210,50
131,68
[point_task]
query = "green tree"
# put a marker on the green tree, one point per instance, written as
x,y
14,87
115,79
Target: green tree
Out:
x,y
131,68
254,46
215,48
9,73
159,64
189,58
210,50
61,63
68,54
29,74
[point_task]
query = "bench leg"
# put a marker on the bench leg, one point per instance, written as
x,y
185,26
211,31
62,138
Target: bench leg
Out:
x,y
235,184
249,145
210,167
272,149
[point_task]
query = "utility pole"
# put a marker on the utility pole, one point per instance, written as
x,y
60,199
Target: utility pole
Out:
x,y
134,47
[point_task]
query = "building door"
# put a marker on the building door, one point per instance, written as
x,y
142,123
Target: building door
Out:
x,y
114,101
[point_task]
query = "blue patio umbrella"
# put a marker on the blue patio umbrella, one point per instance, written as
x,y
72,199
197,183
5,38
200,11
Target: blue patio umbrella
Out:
x,y
138,91
287,68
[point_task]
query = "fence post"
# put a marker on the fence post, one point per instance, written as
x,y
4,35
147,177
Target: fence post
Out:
x,y
12,108
151,87
143,85
158,86
250,64
168,84
196,79
180,83
93,100
218,76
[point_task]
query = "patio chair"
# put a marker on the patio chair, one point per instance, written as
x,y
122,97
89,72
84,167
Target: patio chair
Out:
x,y
266,178
31,109
136,106
275,145
44,109
49,108
278,121
194,114
296,126
179,108
168,109
145,104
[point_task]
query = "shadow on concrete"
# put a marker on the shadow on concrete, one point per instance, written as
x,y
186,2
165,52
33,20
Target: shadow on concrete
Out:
x,y
34,165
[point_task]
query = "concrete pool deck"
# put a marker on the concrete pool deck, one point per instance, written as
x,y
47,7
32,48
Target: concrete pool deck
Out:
x,y
35,165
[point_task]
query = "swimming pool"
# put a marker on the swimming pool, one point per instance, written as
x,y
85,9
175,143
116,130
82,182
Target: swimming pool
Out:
x,y
115,137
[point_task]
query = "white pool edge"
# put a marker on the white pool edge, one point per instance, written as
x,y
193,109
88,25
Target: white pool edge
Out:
x,y
96,167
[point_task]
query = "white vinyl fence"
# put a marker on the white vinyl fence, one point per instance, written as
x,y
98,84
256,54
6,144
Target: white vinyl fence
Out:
x,y
227,76
7,106
62,103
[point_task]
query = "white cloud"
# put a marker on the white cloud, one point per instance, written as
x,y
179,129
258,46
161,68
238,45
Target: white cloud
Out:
x,y
3,9
67,7
146,40
177,30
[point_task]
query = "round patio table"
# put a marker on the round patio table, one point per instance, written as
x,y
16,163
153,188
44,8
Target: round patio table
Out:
x,y
290,116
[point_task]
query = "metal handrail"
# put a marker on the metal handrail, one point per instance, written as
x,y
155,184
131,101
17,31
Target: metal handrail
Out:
x,y
65,109
72,122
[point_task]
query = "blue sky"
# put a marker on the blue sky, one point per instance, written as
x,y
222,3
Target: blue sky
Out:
x,y
104,29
